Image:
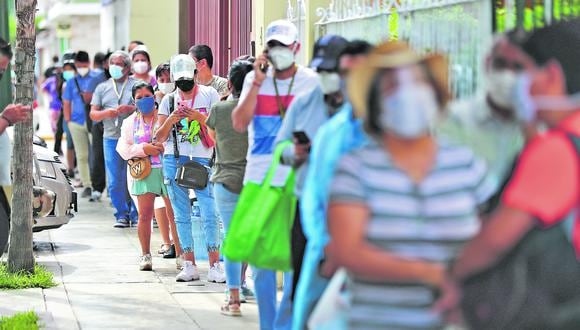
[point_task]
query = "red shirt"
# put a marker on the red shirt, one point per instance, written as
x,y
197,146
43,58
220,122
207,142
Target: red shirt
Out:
x,y
546,180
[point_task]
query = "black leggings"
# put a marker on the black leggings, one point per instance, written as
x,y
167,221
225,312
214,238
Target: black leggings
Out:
x,y
298,248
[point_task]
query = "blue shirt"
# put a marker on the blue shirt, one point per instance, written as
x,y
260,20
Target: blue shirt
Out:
x,y
339,135
72,94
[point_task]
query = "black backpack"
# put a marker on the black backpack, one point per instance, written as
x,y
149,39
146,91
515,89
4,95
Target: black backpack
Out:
x,y
535,286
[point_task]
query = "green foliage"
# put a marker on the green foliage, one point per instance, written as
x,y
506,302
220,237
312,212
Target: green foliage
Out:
x,y
41,278
20,321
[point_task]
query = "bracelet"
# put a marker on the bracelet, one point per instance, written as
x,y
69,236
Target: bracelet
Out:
x,y
257,84
8,121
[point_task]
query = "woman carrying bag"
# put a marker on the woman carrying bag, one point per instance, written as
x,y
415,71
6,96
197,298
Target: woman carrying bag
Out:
x,y
143,154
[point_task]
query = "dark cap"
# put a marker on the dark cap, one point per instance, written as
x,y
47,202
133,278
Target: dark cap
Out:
x,y
327,51
68,57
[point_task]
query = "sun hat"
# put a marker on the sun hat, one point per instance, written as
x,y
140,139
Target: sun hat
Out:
x,y
283,31
392,55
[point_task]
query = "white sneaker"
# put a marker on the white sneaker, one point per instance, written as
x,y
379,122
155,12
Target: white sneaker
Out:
x,y
146,263
95,196
216,274
188,274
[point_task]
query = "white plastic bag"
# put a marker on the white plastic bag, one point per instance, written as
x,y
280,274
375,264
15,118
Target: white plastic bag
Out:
x,y
331,311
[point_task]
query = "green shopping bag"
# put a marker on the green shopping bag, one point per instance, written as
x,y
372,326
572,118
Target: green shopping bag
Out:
x,y
260,229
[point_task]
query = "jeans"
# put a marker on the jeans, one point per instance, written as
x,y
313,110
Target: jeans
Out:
x,y
179,197
226,202
265,289
98,158
116,168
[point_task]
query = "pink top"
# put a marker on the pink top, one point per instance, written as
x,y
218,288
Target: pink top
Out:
x,y
135,133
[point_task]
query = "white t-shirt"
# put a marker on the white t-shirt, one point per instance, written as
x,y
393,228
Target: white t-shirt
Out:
x,y
204,100
267,120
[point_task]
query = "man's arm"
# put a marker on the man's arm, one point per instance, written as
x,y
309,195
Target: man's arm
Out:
x,y
244,112
66,110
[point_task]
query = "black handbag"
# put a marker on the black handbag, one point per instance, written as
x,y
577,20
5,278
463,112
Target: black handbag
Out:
x,y
191,174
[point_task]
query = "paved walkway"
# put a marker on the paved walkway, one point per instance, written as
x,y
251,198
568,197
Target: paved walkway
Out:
x,y
101,287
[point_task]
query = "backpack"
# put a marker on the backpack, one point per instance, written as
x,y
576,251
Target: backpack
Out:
x,y
535,286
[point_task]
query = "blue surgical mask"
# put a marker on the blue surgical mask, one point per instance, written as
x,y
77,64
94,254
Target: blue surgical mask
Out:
x,y
68,75
145,105
116,71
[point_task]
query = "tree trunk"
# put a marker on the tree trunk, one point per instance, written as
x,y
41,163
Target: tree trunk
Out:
x,y
20,256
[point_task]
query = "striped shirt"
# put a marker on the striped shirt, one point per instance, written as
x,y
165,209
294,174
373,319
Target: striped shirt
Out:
x,y
428,221
267,120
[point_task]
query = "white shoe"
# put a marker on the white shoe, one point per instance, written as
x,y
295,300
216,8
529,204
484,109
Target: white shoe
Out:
x,y
216,274
95,196
146,263
179,262
188,274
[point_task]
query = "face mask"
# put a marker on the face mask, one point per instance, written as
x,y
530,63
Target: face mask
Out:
x,y
116,71
140,67
330,82
166,88
185,85
500,84
282,57
410,112
146,105
527,106
83,71
68,75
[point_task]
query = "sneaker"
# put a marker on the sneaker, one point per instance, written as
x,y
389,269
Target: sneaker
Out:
x,y
121,223
247,293
87,192
134,222
179,261
216,274
188,274
95,196
170,254
146,263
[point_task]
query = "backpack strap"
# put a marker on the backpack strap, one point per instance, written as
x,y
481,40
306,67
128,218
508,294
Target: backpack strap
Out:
x,y
171,99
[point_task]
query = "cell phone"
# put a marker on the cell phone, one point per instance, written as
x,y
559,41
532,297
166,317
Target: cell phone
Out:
x,y
181,105
264,67
301,137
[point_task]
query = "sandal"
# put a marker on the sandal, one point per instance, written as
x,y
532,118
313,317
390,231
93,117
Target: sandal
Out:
x,y
164,248
232,309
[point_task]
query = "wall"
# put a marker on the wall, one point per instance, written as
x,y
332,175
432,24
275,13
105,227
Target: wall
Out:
x,y
115,25
156,24
80,39
264,12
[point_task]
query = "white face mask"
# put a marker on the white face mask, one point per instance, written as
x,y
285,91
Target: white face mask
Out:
x,y
411,111
83,71
166,88
330,82
500,84
527,106
140,67
282,57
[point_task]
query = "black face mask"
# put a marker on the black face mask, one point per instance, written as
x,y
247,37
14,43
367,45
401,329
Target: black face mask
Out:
x,y
185,85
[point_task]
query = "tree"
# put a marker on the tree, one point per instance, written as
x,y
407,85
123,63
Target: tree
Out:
x,y
20,256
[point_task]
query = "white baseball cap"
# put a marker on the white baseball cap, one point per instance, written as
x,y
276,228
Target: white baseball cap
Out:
x,y
283,31
182,66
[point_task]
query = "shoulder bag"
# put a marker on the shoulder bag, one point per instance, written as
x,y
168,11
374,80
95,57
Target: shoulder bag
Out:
x,y
88,120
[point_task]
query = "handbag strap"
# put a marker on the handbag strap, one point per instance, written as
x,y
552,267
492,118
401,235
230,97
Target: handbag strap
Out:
x,y
274,166
171,99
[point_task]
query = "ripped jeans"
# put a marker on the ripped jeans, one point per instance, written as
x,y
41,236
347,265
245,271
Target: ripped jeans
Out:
x,y
179,197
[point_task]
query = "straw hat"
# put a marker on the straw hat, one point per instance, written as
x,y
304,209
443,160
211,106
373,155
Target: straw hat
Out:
x,y
390,55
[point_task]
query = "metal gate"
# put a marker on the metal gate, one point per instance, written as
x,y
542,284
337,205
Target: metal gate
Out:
x,y
461,29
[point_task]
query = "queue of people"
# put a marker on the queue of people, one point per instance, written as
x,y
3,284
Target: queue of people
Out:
x,y
426,203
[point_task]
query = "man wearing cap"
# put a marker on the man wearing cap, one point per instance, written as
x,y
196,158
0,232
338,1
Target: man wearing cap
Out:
x,y
266,96
306,114
182,116
111,104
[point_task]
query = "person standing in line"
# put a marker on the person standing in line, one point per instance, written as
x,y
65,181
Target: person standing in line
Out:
x,y
111,104
76,97
203,57
228,176
305,115
68,64
49,86
339,135
142,66
182,116
267,94
137,141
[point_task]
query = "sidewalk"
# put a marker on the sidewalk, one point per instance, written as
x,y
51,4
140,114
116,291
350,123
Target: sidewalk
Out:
x,y
100,286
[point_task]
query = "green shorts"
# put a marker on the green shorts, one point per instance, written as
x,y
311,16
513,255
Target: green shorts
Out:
x,y
151,184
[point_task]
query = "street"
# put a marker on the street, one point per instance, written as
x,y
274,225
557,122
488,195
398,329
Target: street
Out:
x,y
100,285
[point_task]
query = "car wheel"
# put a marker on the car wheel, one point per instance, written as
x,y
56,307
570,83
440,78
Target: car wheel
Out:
x,y
4,229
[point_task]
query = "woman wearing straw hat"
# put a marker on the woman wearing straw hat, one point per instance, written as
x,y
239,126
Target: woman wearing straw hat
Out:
x,y
406,202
